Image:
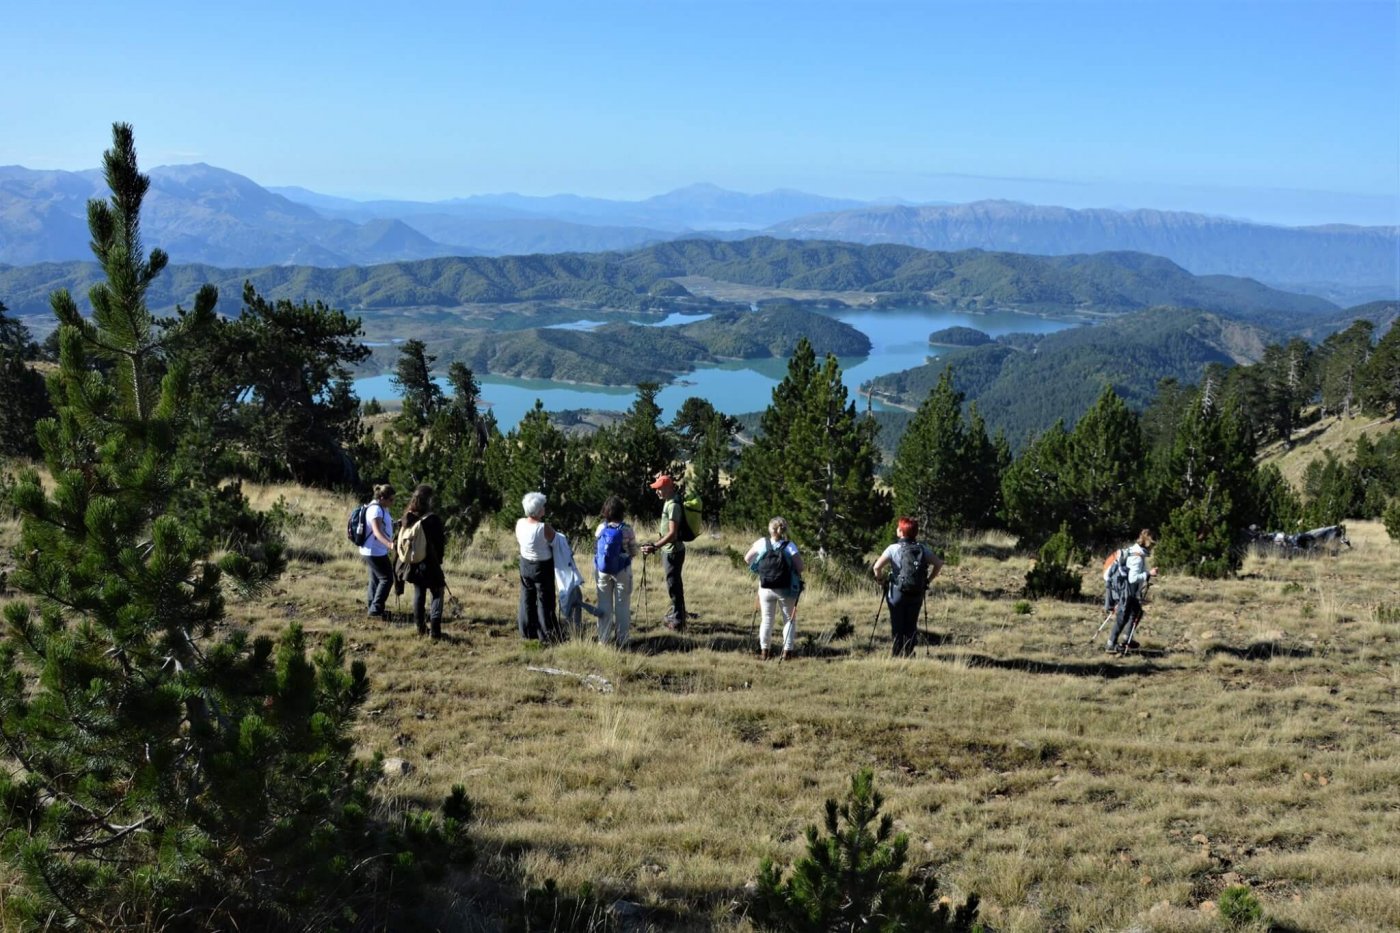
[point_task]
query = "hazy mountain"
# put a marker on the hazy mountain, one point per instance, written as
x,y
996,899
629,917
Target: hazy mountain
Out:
x,y
696,207
197,213
1312,259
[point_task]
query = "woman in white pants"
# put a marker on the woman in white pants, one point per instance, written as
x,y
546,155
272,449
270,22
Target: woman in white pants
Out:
x,y
616,545
778,564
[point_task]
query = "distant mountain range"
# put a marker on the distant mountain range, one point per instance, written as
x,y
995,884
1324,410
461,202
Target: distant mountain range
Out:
x,y
203,214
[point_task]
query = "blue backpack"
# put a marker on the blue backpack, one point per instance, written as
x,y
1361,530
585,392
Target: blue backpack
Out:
x,y
357,526
610,557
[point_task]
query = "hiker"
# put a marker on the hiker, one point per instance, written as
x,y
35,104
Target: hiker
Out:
x,y
616,545
536,616
1129,611
671,546
915,566
426,575
379,543
779,566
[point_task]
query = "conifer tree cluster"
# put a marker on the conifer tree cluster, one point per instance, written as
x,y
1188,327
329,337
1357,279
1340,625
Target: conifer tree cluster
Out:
x,y
814,463
162,776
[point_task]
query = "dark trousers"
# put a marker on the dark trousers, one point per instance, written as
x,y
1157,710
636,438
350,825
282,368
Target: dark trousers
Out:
x,y
433,620
904,623
381,578
537,617
1128,615
672,562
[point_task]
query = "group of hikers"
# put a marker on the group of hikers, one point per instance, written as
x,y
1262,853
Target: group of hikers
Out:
x,y
551,602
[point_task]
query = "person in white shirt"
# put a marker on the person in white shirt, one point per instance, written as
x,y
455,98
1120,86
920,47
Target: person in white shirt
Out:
x,y
379,544
537,617
787,585
616,545
1129,611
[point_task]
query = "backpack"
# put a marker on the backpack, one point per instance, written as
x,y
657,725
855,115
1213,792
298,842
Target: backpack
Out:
x,y
912,575
411,544
610,557
1115,575
688,516
357,527
774,570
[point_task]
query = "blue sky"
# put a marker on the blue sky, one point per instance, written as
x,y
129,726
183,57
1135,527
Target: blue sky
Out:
x,y
1286,112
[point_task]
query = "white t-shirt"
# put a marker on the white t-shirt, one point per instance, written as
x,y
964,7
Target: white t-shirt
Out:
x,y
373,547
533,546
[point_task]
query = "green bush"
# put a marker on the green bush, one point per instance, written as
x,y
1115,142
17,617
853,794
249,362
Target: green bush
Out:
x,y
854,878
1053,575
1021,607
1391,517
1239,907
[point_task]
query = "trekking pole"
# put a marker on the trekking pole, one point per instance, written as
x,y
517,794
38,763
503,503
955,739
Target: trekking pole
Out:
x,y
876,624
1101,626
646,611
924,634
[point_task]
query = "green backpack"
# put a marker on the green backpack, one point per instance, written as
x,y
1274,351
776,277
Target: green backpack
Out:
x,y
691,520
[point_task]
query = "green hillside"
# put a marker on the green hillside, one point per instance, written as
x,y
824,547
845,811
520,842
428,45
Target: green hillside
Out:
x,y
1025,383
1104,283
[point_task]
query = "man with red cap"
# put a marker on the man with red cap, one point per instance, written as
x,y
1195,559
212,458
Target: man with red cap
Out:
x,y
671,546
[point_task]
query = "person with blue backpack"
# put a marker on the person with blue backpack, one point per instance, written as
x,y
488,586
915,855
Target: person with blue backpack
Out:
x,y
778,565
615,546
914,567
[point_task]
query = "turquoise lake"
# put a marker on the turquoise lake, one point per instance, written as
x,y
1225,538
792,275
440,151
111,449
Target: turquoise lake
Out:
x,y
898,337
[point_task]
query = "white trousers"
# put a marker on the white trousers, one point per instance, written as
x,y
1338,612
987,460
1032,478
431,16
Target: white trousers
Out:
x,y
769,601
614,607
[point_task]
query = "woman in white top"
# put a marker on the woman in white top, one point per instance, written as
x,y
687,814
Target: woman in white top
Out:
x,y
782,574
379,544
616,545
536,617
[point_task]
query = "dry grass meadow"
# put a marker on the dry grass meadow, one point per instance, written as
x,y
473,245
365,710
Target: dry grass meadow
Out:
x,y
1255,738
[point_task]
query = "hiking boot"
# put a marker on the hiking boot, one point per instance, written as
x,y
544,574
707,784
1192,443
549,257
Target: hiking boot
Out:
x,y
788,655
763,654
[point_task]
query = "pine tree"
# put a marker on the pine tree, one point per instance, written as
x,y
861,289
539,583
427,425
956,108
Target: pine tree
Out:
x,y
1342,358
1378,384
23,398
413,377
759,490
635,450
932,465
828,471
163,777
1109,477
1036,489
854,878
706,436
535,456
1210,487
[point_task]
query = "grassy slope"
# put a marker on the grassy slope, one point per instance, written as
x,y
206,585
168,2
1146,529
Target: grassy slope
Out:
x,y
1338,435
1072,791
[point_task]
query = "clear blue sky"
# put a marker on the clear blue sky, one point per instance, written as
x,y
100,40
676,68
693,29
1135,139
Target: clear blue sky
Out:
x,y
1280,111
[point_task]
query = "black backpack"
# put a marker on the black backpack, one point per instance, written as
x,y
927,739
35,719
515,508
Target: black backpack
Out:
x,y
356,526
774,571
912,575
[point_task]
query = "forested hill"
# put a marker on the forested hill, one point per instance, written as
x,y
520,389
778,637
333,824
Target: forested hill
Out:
x,y
625,354
1107,283
1022,383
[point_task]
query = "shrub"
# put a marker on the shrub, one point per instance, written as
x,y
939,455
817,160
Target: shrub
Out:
x,y
1239,906
854,878
547,909
1021,607
1052,575
1391,517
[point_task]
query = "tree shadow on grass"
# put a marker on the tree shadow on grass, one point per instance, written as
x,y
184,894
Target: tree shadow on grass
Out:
x,y
1111,668
1260,651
